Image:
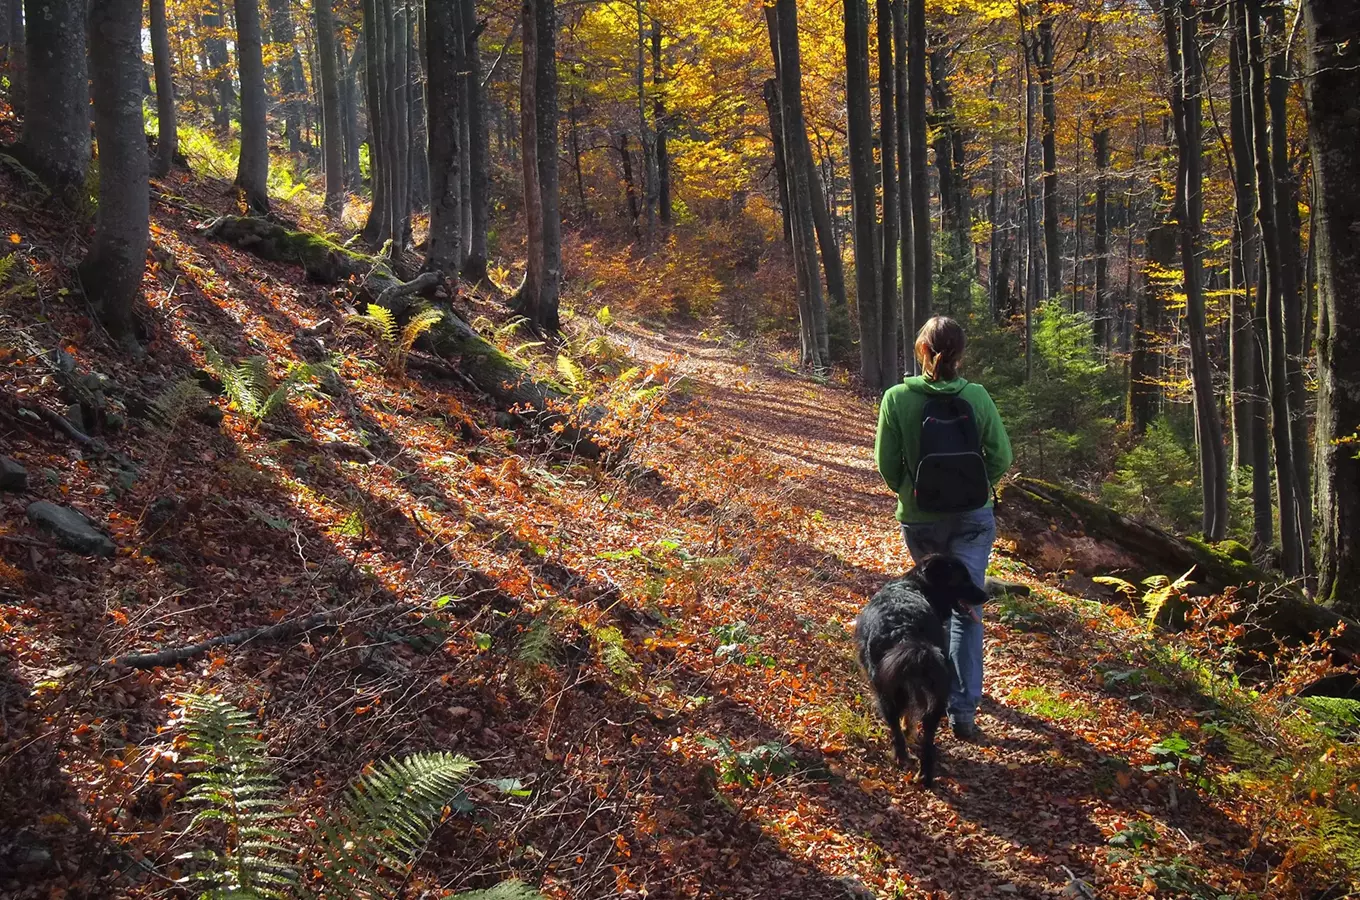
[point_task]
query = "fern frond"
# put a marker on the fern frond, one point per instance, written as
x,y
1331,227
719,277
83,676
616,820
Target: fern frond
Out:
x,y
421,322
613,653
511,327
387,819
538,645
7,263
506,890
571,373
180,399
239,790
385,321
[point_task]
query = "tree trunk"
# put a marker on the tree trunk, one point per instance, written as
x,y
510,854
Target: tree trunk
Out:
x,y
474,268
663,159
111,273
289,71
1182,36
801,173
1250,415
862,194
1291,542
332,133
167,141
55,141
214,25
252,172
376,228
906,308
15,60
1332,88
630,191
1145,363
546,106
443,65
1100,144
887,143
1291,276
923,261
781,168
954,220
399,88
1049,140
349,101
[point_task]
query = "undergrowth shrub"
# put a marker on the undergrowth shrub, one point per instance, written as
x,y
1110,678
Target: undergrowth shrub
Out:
x,y
250,847
394,339
250,388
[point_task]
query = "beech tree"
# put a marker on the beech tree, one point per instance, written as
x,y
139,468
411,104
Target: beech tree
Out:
x,y
55,141
252,173
111,273
167,143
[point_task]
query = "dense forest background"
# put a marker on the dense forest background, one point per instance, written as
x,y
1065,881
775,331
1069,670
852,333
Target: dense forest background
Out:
x,y
1145,212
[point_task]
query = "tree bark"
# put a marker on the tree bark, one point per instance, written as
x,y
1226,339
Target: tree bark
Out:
x,y
954,217
1182,36
15,59
252,172
906,309
55,141
1100,144
167,140
663,159
111,273
1291,542
332,132
349,99
630,191
214,24
292,83
801,173
530,290
887,143
376,227
923,263
859,126
443,65
781,167
1049,140
549,184
474,267
1332,87
1145,363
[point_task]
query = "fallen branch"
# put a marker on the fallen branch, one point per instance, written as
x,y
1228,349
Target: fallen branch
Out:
x,y
63,424
175,655
392,293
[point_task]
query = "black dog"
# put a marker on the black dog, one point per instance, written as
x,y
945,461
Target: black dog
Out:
x,y
904,649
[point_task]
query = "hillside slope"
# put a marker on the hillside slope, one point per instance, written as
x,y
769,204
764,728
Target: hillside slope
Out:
x,y
658,654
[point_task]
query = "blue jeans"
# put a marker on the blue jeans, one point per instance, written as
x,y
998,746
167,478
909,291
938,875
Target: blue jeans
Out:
x,y
969,537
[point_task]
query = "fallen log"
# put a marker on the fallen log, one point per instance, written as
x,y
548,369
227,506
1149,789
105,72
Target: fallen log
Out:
x,y
1057,529
175,655
543,405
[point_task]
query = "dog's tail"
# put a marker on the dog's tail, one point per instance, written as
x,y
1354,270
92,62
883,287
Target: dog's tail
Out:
x,y
917,669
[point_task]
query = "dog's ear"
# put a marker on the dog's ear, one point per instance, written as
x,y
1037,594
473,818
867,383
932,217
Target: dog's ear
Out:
x,y
945,572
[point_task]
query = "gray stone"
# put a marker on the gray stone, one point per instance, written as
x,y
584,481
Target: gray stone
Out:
x,y
71,529
76,416
13,477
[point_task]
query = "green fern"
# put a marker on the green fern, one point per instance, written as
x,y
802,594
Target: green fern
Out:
x,y
614,653
538,644
239,790
571,373
184,397
506,890
1337,715
395,342
250,389
388,817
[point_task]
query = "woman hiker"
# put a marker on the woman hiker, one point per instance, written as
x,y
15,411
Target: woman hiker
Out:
x,y
942,449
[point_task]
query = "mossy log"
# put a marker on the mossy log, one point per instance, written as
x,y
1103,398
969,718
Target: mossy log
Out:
x,y
1058,529
540,404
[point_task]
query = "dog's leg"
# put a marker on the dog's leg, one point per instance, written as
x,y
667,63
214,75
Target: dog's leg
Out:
x,y
930,723
892,714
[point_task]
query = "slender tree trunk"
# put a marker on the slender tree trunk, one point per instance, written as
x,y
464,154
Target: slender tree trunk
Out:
x,y
859,126
663,160
474,268
1145,363
289,70
214,24
15,58
923,261
252,173
1182,27
401,114
1332,87
801,173
548,152
332,133
167,141
630,191
350,119
376,228
1291,276
1250,417
1277,384
1100,144
954,217
781,169
111,273
526,299
55,141
1049,140
906,308
1028,268
443,65
887,143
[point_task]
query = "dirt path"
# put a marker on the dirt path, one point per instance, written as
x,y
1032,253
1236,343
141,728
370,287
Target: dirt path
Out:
x,y
1031,810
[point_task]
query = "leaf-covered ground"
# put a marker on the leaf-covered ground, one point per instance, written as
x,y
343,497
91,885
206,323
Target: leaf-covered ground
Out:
x,y
659,654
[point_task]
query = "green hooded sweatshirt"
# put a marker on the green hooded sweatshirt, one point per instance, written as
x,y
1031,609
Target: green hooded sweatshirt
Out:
x,y
899,437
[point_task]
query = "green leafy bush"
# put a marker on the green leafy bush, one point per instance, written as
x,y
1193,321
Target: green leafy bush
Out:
x,y
252,391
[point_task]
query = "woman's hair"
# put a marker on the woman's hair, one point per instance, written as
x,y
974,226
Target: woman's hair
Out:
x,y
939,347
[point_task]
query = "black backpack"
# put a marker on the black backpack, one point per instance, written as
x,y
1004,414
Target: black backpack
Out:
x,y
950,475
